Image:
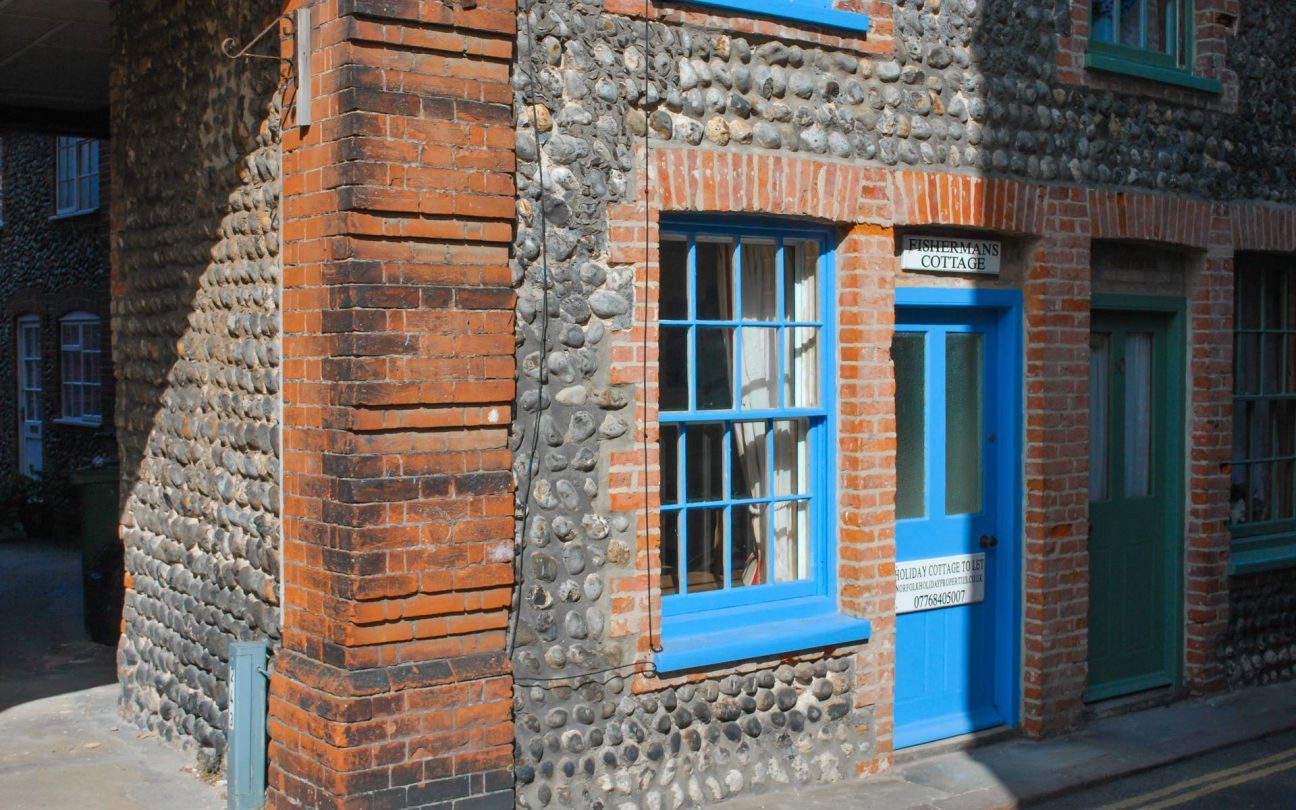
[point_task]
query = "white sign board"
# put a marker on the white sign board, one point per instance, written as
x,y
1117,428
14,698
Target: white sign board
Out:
x,y
949,254
940,582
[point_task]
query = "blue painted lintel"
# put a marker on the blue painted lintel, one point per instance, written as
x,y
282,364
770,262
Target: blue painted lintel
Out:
x,y
807,11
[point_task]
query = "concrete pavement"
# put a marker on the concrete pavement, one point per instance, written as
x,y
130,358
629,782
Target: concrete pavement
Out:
x,y
74,751
62,744
1018,772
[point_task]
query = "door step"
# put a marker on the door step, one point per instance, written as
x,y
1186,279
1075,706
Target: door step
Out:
x,y
1127,704
949,745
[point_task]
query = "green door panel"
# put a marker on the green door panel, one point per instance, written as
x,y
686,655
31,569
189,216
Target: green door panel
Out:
x,y
1135,485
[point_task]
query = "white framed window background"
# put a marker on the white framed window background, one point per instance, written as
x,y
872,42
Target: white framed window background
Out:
x,y
80,368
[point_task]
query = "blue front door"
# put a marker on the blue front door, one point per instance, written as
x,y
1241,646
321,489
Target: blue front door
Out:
x,y
955,531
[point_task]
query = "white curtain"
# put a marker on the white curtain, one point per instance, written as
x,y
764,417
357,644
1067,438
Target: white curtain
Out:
x,y
759,372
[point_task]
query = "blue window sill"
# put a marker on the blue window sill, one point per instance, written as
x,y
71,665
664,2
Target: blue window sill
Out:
x,y
758,631
1166,75
808,11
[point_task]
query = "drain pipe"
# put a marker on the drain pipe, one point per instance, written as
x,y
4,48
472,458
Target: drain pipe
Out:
x,y
246,765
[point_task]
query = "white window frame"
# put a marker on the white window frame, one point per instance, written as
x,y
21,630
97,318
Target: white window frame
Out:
x,y
76,178
73,356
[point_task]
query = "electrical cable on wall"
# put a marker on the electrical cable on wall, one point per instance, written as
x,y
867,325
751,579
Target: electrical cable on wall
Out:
x,y
635,667
519,545
654,638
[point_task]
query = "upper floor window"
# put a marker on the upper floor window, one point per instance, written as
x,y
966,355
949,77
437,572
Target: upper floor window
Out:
x,y
818,12
1263,497
77,182
746,384
79,364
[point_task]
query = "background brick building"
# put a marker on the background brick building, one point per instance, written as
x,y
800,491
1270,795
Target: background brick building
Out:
x,y
54,264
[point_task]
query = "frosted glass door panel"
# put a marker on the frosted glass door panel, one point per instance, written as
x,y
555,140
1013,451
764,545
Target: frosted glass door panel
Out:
x,y
1138,414
907,352
963,392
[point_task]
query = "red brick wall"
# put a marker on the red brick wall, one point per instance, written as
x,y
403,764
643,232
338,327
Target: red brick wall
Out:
x,y
392,687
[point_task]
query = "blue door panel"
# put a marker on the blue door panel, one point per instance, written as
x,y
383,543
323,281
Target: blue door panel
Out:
x,y
956,668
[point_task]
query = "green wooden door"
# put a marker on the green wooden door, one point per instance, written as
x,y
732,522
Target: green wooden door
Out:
x,y
1135,469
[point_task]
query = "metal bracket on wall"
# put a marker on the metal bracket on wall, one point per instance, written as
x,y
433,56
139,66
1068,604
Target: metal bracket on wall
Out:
x,y
300,61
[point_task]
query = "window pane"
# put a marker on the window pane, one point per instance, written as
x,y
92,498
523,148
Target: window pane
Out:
x,y
714,379
749,533
1099,405
1238,511
1247,291
1271,301
669,553
908,354
791,457
800,282
1291,361
1138,415
672,356
759,378
801,367
758,277
1284,428
1271,358
1282,490
962,423
791,541
1246,364
705,549
669,449
714,280
673,290
1131,23
749,462
1258,444
1259,492
1103,20
704,462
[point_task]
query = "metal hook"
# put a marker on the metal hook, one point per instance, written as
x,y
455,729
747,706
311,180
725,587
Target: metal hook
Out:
x,y
229,44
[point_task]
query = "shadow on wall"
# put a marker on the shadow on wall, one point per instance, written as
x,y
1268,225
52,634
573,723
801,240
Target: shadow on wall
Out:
x,y
195,337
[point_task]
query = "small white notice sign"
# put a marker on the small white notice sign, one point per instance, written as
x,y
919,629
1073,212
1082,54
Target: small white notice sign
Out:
x,y
950,254
940,582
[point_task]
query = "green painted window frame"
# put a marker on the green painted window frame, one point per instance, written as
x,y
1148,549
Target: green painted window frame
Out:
x,y
1270,544
1174,67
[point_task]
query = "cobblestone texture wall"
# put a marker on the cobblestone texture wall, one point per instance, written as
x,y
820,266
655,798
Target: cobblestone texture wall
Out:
x,y
196,273
971,87
1261,644
49,268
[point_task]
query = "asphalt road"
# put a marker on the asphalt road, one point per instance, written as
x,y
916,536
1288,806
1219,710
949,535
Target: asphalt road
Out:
x,y
1254,776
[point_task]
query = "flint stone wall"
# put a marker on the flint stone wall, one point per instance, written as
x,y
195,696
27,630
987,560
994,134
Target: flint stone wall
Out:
x,y
50,268
971,87
1261,644
196,326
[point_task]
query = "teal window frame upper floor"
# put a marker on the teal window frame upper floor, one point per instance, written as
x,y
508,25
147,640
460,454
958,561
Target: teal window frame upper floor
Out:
x,y
1262,496
1170,66
773,614
817,12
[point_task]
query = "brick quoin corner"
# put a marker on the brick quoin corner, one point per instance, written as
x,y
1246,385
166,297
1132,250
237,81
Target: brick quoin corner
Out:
x,y
392,688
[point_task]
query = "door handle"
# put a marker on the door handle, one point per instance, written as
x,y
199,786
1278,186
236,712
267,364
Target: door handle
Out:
x,y
989,541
